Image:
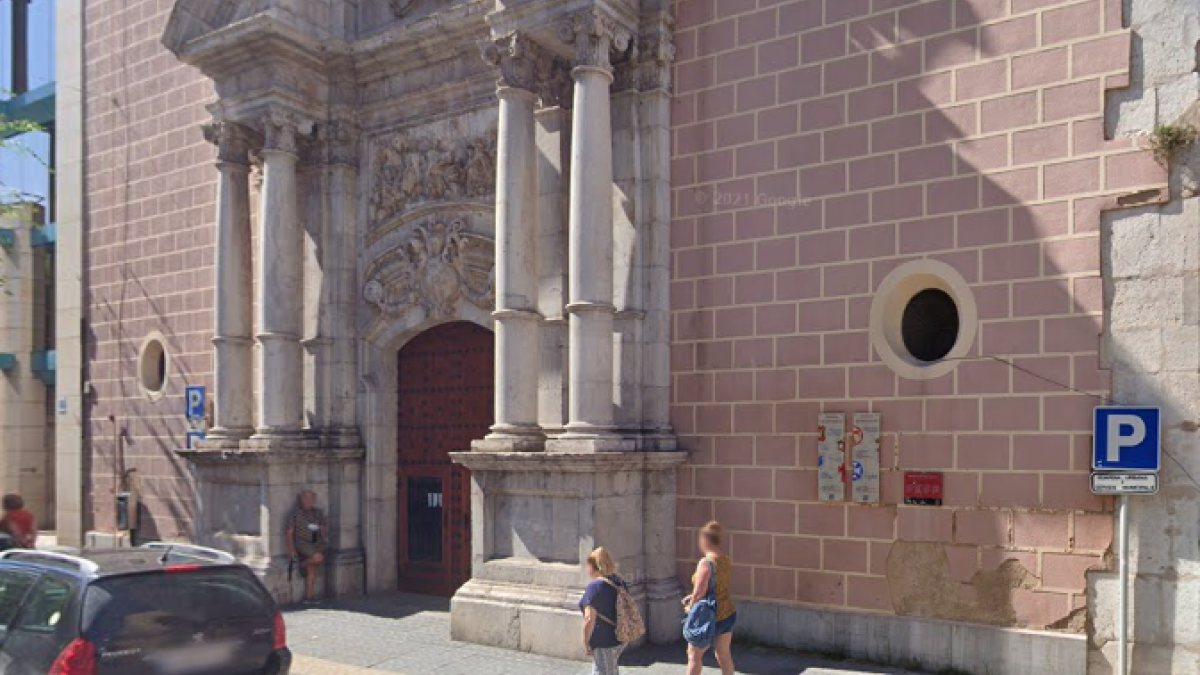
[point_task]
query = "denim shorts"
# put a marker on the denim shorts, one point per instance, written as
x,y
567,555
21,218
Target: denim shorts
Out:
x,y
726,625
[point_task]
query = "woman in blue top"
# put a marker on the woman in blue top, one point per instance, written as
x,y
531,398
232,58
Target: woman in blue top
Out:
x,y
599,605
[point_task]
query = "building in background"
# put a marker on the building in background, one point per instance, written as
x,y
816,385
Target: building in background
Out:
x,y
873,261
27,239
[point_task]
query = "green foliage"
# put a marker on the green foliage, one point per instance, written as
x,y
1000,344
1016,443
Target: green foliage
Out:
x,y
1168,139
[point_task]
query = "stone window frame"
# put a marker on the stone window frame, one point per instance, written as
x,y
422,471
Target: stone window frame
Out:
x,y
152,338
887,313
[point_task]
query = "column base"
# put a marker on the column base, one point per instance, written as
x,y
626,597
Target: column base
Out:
x,y
228,434
501,443
572,443
276,439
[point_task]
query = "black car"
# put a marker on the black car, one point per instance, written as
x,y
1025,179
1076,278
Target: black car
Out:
x,y
161,609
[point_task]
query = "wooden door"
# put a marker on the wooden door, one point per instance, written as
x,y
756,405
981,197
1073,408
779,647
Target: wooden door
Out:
x,y
445,402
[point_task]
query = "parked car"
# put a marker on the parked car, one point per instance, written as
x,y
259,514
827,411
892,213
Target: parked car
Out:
x,y
161,609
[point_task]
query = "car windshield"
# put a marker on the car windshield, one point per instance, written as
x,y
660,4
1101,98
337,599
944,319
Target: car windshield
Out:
x,y
151,604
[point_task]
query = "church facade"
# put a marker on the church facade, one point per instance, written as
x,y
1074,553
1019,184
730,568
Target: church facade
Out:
x,y
503,282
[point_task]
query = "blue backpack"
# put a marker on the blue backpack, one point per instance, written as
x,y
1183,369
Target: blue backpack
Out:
x,y
700,626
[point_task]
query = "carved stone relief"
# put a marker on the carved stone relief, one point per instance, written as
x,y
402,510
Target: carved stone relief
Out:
x,y
434,268
411,171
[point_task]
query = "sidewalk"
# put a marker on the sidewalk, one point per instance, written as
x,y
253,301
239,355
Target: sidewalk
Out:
x,y
410,634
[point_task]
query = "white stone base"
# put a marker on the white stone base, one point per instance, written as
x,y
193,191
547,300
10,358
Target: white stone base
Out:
x,y
923,644
246,496
536,517
526,618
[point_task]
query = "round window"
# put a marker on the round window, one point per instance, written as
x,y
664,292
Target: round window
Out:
x,y
923,319
152,367
929,326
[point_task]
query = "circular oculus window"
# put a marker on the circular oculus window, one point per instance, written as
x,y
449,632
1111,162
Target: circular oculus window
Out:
x,y
923,319
153,365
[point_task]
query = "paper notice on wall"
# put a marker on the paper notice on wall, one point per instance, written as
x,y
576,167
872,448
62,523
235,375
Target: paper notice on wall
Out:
x,y
831,457
864,457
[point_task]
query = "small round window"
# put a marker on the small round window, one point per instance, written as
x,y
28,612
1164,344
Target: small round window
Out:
x,y
152,367
929,326
923,319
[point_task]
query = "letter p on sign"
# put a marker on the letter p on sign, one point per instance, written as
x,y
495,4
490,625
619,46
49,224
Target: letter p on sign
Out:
x,y
1134,433
1126,439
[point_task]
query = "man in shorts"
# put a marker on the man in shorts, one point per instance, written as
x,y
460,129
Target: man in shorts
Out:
x,y
307,541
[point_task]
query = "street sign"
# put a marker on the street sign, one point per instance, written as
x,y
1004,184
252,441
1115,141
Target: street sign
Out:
x,y
1117,483
1126,439
194,399
194,437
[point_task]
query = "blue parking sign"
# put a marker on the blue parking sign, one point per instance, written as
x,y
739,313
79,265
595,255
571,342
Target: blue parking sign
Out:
x,y
1126,439
194,399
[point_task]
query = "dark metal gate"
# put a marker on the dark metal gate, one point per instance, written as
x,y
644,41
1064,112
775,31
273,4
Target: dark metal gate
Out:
x,y
445,400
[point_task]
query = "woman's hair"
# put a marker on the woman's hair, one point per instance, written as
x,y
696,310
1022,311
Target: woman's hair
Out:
x,y
13,502
712,532
602,562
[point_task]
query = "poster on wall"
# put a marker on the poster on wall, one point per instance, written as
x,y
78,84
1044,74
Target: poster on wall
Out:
x,y
864,457
831,457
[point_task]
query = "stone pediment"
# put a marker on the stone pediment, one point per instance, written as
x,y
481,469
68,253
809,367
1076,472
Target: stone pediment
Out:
x,y
191,19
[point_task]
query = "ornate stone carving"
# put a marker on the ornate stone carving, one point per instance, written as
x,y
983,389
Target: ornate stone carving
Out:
x,y
410,171
656,53
232,141
556,87
434,269
281,131
647,66
594,36
342,142
521,62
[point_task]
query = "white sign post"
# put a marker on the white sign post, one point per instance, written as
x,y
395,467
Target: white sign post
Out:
x,y
1126,458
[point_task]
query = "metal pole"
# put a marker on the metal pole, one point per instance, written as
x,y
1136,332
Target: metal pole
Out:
x,y
1123,573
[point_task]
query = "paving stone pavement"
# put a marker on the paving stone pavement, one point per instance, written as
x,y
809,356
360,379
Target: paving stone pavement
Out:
x,y
410,634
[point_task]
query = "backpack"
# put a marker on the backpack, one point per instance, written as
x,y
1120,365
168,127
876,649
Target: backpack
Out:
x,y
629,625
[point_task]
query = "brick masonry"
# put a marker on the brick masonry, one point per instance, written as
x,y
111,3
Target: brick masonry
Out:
x,y
151,193
818,145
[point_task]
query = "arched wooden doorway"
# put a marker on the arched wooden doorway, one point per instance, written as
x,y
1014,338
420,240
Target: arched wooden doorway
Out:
x,y
445,387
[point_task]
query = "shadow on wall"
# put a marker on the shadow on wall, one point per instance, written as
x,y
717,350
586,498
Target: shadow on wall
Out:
x,y
955,166
128,431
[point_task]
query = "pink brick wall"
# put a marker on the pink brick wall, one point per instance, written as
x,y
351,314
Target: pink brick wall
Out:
x,y
819,144
150,188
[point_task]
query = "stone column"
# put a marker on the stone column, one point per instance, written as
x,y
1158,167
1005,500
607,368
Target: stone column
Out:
x,y
232,409
517,319
657,52
590,230
280,250
552,136
342,235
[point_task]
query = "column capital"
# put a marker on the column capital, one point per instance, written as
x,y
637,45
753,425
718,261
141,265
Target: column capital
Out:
x,y
521,62
231,139
341,141
656,54
282,129
594,35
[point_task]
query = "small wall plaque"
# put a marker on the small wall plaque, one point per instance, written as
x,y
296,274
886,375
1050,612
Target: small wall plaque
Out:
x,y
923,488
